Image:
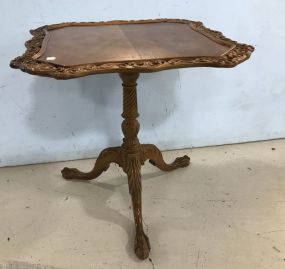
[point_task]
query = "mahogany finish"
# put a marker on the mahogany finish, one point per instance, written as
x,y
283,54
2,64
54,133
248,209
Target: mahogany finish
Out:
x,y
70,50
132,46
77,45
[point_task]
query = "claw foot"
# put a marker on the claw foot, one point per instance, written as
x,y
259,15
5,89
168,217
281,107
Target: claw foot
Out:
x,y
71,173
178,163
182,161
142,247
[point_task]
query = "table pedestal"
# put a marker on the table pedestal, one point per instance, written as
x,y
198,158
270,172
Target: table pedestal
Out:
x,y
130,157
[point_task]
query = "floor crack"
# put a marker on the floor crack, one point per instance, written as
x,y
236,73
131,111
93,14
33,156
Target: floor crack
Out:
x,y
146,226
198,258
153,267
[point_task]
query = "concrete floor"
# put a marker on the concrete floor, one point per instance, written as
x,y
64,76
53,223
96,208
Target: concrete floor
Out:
x,y
227,210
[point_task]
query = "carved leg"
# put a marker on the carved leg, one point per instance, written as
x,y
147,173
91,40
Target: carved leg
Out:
x,y
142,246
154,155
107,156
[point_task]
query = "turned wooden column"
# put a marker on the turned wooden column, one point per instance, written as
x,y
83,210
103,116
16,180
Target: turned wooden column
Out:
x,y
130,124
132,158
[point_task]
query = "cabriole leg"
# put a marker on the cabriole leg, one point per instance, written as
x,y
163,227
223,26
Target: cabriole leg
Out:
x,y
133,158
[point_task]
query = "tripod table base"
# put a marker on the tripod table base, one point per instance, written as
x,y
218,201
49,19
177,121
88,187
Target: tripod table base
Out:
x,y
130,157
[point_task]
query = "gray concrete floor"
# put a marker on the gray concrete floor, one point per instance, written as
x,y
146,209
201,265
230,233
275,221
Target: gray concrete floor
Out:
x,y
227,210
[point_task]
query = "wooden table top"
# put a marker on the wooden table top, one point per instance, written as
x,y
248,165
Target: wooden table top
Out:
x,y
70,50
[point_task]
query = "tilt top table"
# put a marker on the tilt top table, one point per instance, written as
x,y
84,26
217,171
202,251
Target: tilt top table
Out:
x,y
70,50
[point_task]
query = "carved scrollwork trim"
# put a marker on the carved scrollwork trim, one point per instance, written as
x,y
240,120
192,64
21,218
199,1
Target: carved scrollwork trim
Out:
x,y
237,54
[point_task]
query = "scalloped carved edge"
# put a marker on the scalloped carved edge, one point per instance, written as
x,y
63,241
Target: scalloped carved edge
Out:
x,y
236,55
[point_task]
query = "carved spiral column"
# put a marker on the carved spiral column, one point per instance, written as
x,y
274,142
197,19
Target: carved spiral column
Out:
x,y
131,149
130,125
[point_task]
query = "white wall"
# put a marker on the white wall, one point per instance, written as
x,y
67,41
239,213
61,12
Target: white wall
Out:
x,y
46,120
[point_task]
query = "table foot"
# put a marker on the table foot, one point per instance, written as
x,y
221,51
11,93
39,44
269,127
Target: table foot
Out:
x,y
106,157
142,246
154,155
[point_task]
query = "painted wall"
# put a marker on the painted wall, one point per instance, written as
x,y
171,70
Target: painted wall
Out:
x,y
45,120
